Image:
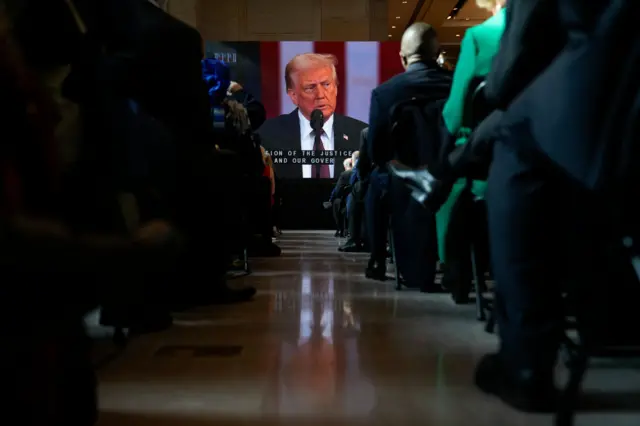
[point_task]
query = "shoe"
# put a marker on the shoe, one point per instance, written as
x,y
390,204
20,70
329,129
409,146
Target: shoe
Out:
x,y
236,265
460,299
432,289
460,294
351,247
377,273
530,395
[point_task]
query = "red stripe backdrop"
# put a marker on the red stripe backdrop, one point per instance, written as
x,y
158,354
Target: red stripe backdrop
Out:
x,y
271,80
336,48
389,63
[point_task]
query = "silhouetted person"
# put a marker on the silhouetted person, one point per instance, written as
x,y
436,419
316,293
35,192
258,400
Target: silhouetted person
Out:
x,y
423,77
552,204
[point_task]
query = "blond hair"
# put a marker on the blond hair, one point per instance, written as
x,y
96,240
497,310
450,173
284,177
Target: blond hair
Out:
x,y
268,160
347,163
237,116
306,61
489,5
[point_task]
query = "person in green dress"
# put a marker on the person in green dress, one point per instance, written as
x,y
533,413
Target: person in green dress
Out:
x,y
479,45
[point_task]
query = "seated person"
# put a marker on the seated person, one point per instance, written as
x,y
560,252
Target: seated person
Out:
x,y
455,228
268,172
422,77
276,211
354,159
51,375
261,215
355,201
338,198
254,188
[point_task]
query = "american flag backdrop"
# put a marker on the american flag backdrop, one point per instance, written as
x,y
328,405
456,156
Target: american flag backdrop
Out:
x,y
362,66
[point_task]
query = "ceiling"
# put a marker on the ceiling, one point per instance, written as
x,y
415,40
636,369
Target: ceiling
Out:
x,y
449,20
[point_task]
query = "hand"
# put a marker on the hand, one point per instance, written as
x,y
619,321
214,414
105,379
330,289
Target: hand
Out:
x,y
154,233
234,87
326,204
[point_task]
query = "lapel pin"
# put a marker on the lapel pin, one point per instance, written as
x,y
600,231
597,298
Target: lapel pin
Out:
x,y
345,137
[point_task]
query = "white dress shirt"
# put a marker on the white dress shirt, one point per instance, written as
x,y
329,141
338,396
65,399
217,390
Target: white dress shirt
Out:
x,y
307,141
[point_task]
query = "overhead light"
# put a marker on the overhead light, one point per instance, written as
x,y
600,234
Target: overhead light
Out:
x,y
390,36
404,2
449,17
457,35
393,26
397,17
466,19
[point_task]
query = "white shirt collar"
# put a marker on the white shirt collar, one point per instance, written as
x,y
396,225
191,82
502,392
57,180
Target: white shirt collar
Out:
x,y
305,125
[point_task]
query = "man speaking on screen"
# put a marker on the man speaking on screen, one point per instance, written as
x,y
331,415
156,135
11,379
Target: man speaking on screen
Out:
x,y
312,138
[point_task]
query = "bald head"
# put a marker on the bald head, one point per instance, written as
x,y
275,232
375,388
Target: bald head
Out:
x,y
419,44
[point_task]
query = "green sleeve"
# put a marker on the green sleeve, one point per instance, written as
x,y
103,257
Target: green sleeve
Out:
x,y
465,72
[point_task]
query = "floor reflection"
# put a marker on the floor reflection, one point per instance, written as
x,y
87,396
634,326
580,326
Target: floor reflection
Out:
x,y
317,374
321,345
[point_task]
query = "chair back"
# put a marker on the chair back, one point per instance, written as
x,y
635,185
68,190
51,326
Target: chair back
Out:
x,y
476,106
416,133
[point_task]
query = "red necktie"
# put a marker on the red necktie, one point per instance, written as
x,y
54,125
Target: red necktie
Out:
x,y
319,171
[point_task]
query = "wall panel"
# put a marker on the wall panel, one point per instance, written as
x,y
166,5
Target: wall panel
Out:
x,y
219,20
184,10
282,20
286,19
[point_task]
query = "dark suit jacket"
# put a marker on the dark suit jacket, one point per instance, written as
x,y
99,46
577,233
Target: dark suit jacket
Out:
x,y
419,79
283,133
167,74
340,190
365,165
525,48
557,86
362,169
162,55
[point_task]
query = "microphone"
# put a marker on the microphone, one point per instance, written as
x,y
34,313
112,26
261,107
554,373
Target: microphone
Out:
x,y
317,120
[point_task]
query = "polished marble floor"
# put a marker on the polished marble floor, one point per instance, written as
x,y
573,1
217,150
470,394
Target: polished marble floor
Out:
x,y
322,345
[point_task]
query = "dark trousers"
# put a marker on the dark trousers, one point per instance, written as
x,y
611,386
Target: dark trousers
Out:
x,y
339,206
467,229
356,220
377,216
414,237
544,235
